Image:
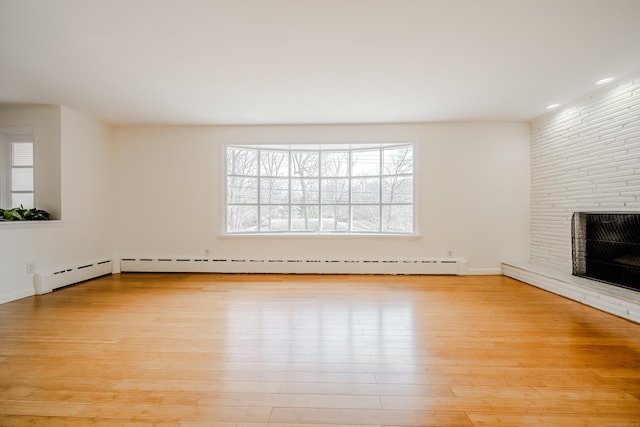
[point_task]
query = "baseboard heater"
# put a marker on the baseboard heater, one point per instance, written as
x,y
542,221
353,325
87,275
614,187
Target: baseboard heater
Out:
x,y
448,266
47,282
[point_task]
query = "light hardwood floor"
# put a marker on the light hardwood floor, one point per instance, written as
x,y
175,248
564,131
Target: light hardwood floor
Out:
x,y
256,350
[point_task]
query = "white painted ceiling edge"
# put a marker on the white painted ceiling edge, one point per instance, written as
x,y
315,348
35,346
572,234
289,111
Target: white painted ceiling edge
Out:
x,y
207,62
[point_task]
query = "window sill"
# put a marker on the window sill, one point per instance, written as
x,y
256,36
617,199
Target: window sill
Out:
x,y
318,235
10,225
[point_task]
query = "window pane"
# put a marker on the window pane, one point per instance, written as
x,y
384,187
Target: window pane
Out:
x,y
242,161
397,189
274,218
274,190
365,163
398,160
397,219
365,190
305,218
305,163
335,191
304,191
22,154
22,179
365,218
242,190
274,163
335,163
24,199
242,219
335,218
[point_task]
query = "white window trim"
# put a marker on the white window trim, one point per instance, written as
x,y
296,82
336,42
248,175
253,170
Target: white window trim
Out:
x,y
321,234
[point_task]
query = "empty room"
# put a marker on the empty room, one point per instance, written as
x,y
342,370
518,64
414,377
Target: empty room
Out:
x,y
311,213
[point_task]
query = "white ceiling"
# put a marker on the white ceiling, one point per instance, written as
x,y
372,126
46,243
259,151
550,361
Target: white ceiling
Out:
x,y
312,61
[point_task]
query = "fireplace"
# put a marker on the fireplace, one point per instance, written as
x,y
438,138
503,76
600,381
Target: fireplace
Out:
x,y
606,247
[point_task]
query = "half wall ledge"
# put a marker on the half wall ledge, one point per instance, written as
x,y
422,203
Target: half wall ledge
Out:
x,y
618,301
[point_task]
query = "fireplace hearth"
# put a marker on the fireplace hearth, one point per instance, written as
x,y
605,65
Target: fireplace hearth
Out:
x,y
606,247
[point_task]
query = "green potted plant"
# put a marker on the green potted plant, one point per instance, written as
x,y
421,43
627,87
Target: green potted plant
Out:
x,y
22,214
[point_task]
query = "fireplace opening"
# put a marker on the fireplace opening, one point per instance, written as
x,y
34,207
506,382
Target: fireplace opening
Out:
x,y
606,247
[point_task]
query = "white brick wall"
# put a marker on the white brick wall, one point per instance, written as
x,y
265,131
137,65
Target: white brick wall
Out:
x,y
585,157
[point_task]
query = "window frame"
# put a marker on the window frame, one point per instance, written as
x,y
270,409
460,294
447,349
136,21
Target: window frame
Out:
x,y
350,148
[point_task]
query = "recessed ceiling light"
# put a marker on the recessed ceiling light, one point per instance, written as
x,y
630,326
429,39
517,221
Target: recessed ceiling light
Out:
x,y
604,81
552,106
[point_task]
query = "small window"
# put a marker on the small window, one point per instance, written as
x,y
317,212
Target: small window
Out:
x,y
17,176
327,189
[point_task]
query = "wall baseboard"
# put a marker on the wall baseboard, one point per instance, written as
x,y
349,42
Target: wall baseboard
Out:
x,y
16,296
484,271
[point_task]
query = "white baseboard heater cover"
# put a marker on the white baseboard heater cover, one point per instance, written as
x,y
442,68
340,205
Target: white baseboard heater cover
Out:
x,y
47,282
450,266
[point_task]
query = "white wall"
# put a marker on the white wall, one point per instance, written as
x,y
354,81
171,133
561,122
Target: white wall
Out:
x,y
155,191
473,192
87,188
585,157
86,230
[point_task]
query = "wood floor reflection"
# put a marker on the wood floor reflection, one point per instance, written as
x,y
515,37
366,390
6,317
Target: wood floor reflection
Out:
x,y
276,350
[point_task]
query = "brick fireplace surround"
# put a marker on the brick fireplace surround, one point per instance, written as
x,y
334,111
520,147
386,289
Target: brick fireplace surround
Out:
x,y
584,157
